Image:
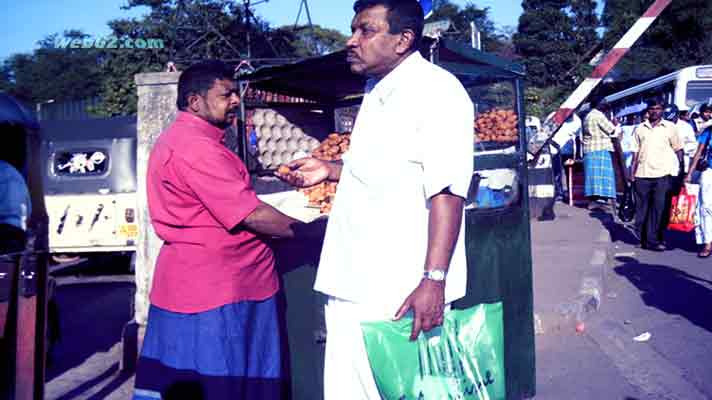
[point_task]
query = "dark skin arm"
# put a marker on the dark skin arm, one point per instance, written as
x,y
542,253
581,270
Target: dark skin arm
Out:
x,y
310,171
634,167
428,300
695,160
267,220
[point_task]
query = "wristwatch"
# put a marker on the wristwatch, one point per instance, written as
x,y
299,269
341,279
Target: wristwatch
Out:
x,y
435,274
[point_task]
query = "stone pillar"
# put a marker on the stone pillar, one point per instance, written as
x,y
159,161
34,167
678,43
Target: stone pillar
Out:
x,y
157,93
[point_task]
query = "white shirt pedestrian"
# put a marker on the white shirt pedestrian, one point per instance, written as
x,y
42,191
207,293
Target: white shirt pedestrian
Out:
x,y
413,138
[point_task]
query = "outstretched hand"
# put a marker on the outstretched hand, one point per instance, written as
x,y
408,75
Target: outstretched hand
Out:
x,y
428,304
304,172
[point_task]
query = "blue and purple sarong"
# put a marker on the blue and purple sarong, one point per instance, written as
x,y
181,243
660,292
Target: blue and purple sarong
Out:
x,y
231,352
600,177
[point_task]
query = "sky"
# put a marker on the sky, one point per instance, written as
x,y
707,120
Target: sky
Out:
x,y
28,21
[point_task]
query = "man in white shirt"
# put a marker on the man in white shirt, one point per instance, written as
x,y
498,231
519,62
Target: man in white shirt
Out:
x,y
562,149
685,132
394,244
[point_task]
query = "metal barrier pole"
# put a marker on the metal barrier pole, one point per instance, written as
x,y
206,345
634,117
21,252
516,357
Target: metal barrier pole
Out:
x,y
31,326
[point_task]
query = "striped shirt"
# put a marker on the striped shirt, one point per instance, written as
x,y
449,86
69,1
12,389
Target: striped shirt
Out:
x,y
597,132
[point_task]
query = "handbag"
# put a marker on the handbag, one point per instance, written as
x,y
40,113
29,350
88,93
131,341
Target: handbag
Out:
x,y
682,210
462,359
626,210
702,162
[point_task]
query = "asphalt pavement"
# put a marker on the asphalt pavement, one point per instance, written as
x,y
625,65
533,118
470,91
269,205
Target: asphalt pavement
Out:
x,y
662,299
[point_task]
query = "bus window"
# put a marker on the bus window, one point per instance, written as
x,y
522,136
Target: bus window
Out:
x,y
698,92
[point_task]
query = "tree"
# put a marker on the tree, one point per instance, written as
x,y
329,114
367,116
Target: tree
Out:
x,y
678,38
493,40
545,39
586,40
194,30
305,41
53,73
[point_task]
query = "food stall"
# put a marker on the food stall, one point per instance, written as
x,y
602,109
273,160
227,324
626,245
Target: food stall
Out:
x,y
309,107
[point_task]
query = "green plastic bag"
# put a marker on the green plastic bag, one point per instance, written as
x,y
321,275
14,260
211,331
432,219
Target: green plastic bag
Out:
x,y
461,360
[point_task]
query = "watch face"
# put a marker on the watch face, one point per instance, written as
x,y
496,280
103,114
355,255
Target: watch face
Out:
x,y
436,275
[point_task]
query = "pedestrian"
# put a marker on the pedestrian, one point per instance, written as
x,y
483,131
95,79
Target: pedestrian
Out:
x,y
704,119
213,330
627,133
600,179
685,131
394,243
15,204
562,150
684,116
658,159
702,157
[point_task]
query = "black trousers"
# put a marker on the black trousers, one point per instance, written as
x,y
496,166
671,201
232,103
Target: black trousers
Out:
x,y
652,195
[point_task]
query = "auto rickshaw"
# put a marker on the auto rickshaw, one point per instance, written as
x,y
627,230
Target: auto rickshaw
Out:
x,y
23,262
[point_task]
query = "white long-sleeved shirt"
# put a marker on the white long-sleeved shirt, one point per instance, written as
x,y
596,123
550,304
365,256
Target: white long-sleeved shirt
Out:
x,y
412,138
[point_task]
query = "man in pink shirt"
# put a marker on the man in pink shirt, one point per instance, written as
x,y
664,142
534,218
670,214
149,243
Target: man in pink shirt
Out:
x,y
212,328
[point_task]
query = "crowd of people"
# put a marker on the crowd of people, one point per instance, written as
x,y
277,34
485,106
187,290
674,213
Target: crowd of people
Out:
x,y
663,150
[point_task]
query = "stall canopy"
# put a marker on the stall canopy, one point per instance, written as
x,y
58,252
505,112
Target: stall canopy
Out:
x,y
14,113
328,78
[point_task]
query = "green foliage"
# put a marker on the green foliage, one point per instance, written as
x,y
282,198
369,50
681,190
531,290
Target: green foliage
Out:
x,y
191,31
194,30
52,73
305,41
556,39
678,38
494,39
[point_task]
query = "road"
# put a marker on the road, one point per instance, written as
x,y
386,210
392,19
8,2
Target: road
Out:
x,y
94,303
669,296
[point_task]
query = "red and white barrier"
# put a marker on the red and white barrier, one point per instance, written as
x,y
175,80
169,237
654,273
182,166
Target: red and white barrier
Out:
x,y
552,125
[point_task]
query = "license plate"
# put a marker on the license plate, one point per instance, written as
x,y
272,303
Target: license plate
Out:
x,y
128,230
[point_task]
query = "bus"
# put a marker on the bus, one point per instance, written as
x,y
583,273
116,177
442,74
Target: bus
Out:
x,y
685,88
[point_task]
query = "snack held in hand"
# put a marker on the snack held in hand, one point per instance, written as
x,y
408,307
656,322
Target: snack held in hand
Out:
x,y
331,149
283,170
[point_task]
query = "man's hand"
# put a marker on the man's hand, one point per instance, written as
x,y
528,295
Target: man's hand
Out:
x,y
428,304
304,172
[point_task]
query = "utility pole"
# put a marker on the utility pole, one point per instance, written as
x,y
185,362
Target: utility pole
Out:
x,y
246,4
303,4
476,37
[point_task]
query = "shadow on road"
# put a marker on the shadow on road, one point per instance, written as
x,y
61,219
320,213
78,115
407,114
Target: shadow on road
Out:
x,y
119,379
91,320
624,233
618,232
670,290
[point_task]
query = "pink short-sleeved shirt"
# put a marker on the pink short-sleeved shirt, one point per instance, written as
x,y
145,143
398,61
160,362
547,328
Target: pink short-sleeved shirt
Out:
x,y
198,193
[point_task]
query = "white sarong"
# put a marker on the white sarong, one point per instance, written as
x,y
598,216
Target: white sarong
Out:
x,y
703,228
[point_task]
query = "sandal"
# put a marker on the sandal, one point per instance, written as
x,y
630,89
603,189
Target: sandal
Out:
x,y
705,252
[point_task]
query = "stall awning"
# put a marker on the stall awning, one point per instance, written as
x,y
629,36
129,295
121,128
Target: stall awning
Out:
x,y
328,78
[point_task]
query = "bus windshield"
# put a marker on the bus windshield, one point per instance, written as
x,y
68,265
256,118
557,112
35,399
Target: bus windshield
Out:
x,y
698,92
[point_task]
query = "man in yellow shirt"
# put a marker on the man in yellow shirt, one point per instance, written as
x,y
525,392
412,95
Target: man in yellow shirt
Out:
x,y
658,158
